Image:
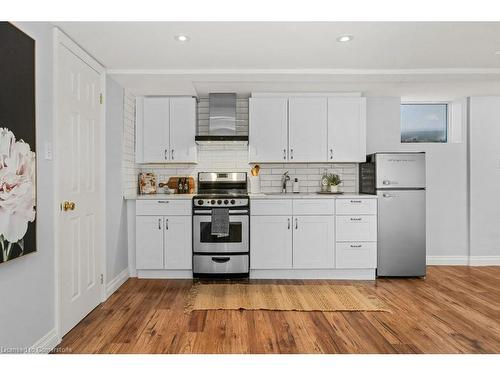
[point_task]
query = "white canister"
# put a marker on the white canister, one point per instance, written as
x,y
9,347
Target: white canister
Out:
x,y
254,184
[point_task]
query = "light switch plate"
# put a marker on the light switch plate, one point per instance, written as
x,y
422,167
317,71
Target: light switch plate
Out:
x,y
48,150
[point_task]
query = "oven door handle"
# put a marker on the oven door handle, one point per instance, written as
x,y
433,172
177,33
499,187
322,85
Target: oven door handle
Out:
x,y
221,259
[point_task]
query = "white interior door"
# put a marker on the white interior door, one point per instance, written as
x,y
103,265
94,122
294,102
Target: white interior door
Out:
x,y
79,174
307,123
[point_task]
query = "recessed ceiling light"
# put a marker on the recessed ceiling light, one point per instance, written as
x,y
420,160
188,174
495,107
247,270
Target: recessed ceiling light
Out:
x,y
181,38
345,38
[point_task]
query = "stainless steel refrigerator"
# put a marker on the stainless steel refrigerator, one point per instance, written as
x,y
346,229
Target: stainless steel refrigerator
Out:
x,y
398,179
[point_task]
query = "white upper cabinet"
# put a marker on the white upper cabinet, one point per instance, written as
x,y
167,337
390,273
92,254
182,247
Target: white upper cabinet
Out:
x,y
165,130
182,130
307,129
346,129
268,131
152,129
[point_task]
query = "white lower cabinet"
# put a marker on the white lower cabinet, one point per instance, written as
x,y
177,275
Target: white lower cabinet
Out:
x,y
149,242
356,254
163,242
314,238
313,242
177,251
271,242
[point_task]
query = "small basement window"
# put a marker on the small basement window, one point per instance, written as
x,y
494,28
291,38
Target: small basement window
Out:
x,y
424,122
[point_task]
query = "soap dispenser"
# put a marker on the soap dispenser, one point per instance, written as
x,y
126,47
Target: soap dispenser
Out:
x,y
295,186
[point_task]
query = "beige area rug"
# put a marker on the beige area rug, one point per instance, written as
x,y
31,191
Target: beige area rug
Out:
x,y
281,297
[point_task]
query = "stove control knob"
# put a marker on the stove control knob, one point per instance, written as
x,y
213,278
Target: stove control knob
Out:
x,y
226,201
200,202
233,201
219,202
212,201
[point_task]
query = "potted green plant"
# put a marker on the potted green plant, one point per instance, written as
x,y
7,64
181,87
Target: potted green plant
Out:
x,y
333,180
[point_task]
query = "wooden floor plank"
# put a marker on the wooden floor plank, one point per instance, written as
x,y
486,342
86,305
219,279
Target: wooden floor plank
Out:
x,y
452,310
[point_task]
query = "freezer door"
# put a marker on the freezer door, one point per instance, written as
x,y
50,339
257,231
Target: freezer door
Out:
x,y
400,171
401,233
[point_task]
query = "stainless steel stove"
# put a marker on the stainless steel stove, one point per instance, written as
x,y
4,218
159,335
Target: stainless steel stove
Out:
x,y
221,256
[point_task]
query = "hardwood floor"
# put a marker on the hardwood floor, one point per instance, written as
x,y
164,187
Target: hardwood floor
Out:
x,y
454,310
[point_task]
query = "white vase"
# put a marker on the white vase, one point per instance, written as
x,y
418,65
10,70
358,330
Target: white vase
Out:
x,y
334,188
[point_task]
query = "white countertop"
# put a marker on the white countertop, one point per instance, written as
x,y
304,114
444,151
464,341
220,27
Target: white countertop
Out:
x,y
310,196
256,196
158,196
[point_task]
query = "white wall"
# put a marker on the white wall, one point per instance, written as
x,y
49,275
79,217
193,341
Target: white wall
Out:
x,y
484,149
116,213
446,179
27,283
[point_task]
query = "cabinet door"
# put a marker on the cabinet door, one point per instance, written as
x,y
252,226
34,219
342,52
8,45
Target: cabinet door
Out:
x,y
271,242
313,242
153,129
347,129
307,129
268,130
178,252
149,242
182,130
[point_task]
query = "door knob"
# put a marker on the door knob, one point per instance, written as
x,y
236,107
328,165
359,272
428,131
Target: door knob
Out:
x,y
68,206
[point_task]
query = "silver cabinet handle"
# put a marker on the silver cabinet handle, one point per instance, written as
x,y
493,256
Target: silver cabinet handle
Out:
x,y
387,195
288,223
331,153
291,153
166,154
159,224
386,182
355,246
355,201
296,223
356,218
284,154
172,154
166,224
163,201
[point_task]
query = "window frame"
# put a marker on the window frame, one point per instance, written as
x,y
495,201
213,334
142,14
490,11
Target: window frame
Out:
x,y
448,120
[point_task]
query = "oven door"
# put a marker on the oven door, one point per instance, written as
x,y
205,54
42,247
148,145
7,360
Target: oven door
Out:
x,y
236,242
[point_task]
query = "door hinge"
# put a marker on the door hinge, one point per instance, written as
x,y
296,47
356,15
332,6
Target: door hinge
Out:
x,y
102,278
100,98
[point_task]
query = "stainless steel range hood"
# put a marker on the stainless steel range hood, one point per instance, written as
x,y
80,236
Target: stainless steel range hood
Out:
x,y
222,121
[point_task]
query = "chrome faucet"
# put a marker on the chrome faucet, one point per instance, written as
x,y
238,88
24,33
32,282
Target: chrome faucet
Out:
x,y
284,178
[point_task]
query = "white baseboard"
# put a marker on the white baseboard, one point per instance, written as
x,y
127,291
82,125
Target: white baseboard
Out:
x,y
336,274
460,260
493,260
165,274
117,282
46,344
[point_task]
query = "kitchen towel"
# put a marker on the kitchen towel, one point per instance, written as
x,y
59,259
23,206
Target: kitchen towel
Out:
x,y
220,222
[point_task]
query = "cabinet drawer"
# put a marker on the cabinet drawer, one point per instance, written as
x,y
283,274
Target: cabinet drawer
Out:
x,y
356,254
356,206
356,228
163,207
274,207
313,206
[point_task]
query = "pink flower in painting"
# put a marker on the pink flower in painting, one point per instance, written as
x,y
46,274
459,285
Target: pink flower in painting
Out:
x,y
17,186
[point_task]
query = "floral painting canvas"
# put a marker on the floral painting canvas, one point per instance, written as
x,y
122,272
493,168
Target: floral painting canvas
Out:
x,y
17,144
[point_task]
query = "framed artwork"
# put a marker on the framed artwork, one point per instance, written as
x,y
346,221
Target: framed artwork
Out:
x,y
17,144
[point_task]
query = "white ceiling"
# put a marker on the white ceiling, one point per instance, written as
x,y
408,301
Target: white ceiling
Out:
x,y
253,56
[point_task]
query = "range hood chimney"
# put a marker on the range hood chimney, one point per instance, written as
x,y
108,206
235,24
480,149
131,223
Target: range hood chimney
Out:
x,y
222,121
